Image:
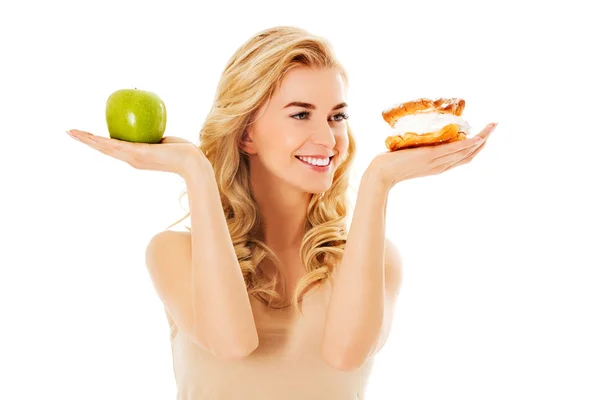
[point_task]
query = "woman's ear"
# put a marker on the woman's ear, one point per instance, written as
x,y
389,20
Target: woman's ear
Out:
x,y
247,144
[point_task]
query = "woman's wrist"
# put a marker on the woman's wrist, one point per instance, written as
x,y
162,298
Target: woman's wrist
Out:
x,y
195,164
375,178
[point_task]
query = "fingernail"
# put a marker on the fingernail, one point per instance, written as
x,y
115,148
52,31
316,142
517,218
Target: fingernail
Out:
x,y
72,135
494,126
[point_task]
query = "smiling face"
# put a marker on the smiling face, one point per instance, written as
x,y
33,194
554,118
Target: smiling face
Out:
x,y
301,136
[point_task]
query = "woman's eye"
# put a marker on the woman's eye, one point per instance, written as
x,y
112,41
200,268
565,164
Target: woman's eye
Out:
x,y
337,118
343,115
302,113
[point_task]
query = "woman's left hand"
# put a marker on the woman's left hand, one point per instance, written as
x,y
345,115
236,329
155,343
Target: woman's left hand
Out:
x,y
393,167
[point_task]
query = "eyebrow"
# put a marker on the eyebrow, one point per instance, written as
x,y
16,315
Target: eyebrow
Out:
x,y
312,106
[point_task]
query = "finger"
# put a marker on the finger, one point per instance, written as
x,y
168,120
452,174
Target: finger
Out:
x,y
464,160
110,147
78,134
450,149
457,155
472,156
84,137
444,150
487,131
110,143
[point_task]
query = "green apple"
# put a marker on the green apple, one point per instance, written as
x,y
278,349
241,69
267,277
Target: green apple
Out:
x,y
136,115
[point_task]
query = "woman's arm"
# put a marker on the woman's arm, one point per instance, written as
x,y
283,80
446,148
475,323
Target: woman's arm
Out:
x,y
219,316
222,309
366,286
370,273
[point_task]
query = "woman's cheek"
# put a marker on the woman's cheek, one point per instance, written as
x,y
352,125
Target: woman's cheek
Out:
x,y
342,144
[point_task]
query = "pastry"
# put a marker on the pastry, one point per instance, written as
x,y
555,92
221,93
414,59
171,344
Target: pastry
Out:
x,y
425,122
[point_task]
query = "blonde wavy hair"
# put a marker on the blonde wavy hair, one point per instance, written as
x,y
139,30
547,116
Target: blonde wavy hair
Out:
x,y
250,77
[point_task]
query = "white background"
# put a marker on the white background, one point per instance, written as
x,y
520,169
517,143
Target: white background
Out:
x,y
500,296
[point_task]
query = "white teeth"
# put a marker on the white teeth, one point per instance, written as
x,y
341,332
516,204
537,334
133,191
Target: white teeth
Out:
x,y
321,162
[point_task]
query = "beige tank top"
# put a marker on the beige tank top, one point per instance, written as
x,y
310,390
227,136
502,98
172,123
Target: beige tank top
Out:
x,y
287,365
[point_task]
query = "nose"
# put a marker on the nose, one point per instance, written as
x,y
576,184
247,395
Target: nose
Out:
x,y
324,136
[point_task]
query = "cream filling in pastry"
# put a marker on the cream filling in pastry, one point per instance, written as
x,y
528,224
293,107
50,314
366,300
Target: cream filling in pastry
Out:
x,y
426,122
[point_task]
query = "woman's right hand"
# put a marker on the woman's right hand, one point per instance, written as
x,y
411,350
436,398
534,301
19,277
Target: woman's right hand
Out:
x,y
172,154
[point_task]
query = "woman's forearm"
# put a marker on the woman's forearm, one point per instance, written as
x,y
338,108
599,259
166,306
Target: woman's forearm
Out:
x,y
355,315
222,313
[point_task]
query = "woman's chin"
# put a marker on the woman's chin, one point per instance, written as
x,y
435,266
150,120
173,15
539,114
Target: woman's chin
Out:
x,y
316,187
309,184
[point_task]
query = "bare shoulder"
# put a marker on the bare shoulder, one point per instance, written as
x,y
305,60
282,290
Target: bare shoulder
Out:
x,y
168,260
168,256
393,281
163,246
167,237
393,266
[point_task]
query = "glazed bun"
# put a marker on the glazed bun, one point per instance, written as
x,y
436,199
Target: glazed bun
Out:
x,y
425,122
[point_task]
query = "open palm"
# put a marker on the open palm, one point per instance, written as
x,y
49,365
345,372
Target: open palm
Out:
x,y
404,164
170,155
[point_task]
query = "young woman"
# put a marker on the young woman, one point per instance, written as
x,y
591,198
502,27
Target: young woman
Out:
x,y
267,198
